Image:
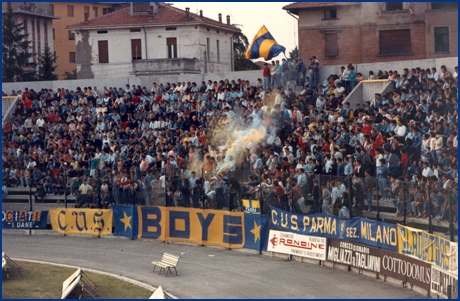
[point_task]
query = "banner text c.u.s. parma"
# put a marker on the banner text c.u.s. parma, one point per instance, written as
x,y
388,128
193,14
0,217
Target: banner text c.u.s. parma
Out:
x,y
204,227
81,221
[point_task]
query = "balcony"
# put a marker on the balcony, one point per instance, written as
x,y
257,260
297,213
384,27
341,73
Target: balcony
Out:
x,y
166,66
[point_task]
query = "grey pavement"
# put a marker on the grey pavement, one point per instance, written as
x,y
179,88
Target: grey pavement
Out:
x,y
204,272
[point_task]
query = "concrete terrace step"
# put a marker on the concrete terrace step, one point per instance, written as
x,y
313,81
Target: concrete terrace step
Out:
x,y
416,222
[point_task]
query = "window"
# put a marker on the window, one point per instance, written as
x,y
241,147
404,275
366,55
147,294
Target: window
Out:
x,y
39,47
69,10
395,42
331,47
107,10
171,28
33,38
54,33
38,33
71,36
86,10
103,47
392,6
101,31
218,51
136,50
172,47
26,27
140,7
208,51
45,33
444,5
72,57
441,39
135,30
51,9
330,14
94,12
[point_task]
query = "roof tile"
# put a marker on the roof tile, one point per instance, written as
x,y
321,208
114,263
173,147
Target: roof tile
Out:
x,y
167,14
300,5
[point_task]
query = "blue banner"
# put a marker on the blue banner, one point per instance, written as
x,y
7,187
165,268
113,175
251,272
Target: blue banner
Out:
x,y
23,219
256,230
125,221
356,229
204,227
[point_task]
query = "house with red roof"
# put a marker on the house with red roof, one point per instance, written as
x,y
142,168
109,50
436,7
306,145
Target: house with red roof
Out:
x,y
152,38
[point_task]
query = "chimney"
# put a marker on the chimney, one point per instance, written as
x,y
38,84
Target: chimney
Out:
x,y
187,12
220,18
201,14
228,20
86,17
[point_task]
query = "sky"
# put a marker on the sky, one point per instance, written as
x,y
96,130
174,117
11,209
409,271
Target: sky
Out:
x,y
252,15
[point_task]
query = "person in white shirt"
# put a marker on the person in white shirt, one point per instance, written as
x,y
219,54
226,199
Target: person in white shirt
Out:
x,y
400,129
436,75
427,172
40,122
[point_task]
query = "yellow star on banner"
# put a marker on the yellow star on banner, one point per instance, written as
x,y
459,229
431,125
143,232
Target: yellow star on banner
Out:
x,y
256,231
126,220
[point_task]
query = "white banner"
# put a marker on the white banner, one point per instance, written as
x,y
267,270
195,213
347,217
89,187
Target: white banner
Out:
x,y
440,279
296,244
453,258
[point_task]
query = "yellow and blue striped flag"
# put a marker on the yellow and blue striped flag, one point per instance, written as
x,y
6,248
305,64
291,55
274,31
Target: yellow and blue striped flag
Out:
x,y
264,45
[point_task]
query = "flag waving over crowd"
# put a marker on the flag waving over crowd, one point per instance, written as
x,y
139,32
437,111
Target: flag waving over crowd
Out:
x,y
264,45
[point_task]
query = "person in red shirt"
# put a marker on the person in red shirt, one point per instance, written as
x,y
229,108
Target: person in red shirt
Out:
x,y
378,140
202,138
404,160
367,128
26,94
28,103
267,76
301,141
281,194
136,100
51,117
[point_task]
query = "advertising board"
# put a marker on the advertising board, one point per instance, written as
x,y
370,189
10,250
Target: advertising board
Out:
x,y
295,244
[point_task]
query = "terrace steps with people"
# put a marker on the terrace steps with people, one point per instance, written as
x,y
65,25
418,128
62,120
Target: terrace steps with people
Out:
x,y
21,195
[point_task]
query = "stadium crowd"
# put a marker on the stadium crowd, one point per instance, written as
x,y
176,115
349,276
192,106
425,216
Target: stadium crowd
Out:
x,y
139,145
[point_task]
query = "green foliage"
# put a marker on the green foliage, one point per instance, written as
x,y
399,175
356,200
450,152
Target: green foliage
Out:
x,y
70,75
47,66
240,45
294,54
15,50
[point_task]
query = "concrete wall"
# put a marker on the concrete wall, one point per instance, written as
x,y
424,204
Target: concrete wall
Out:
x,y
252,76
366,90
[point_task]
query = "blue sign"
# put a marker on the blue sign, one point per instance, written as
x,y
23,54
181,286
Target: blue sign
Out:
x,y
356,229
23,219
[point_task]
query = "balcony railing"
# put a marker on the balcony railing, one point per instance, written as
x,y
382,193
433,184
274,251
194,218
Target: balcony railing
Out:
x,y
172,66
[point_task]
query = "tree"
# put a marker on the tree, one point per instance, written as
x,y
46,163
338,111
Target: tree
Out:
x,y
294,54
15,50
46,65
70,75
240,45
